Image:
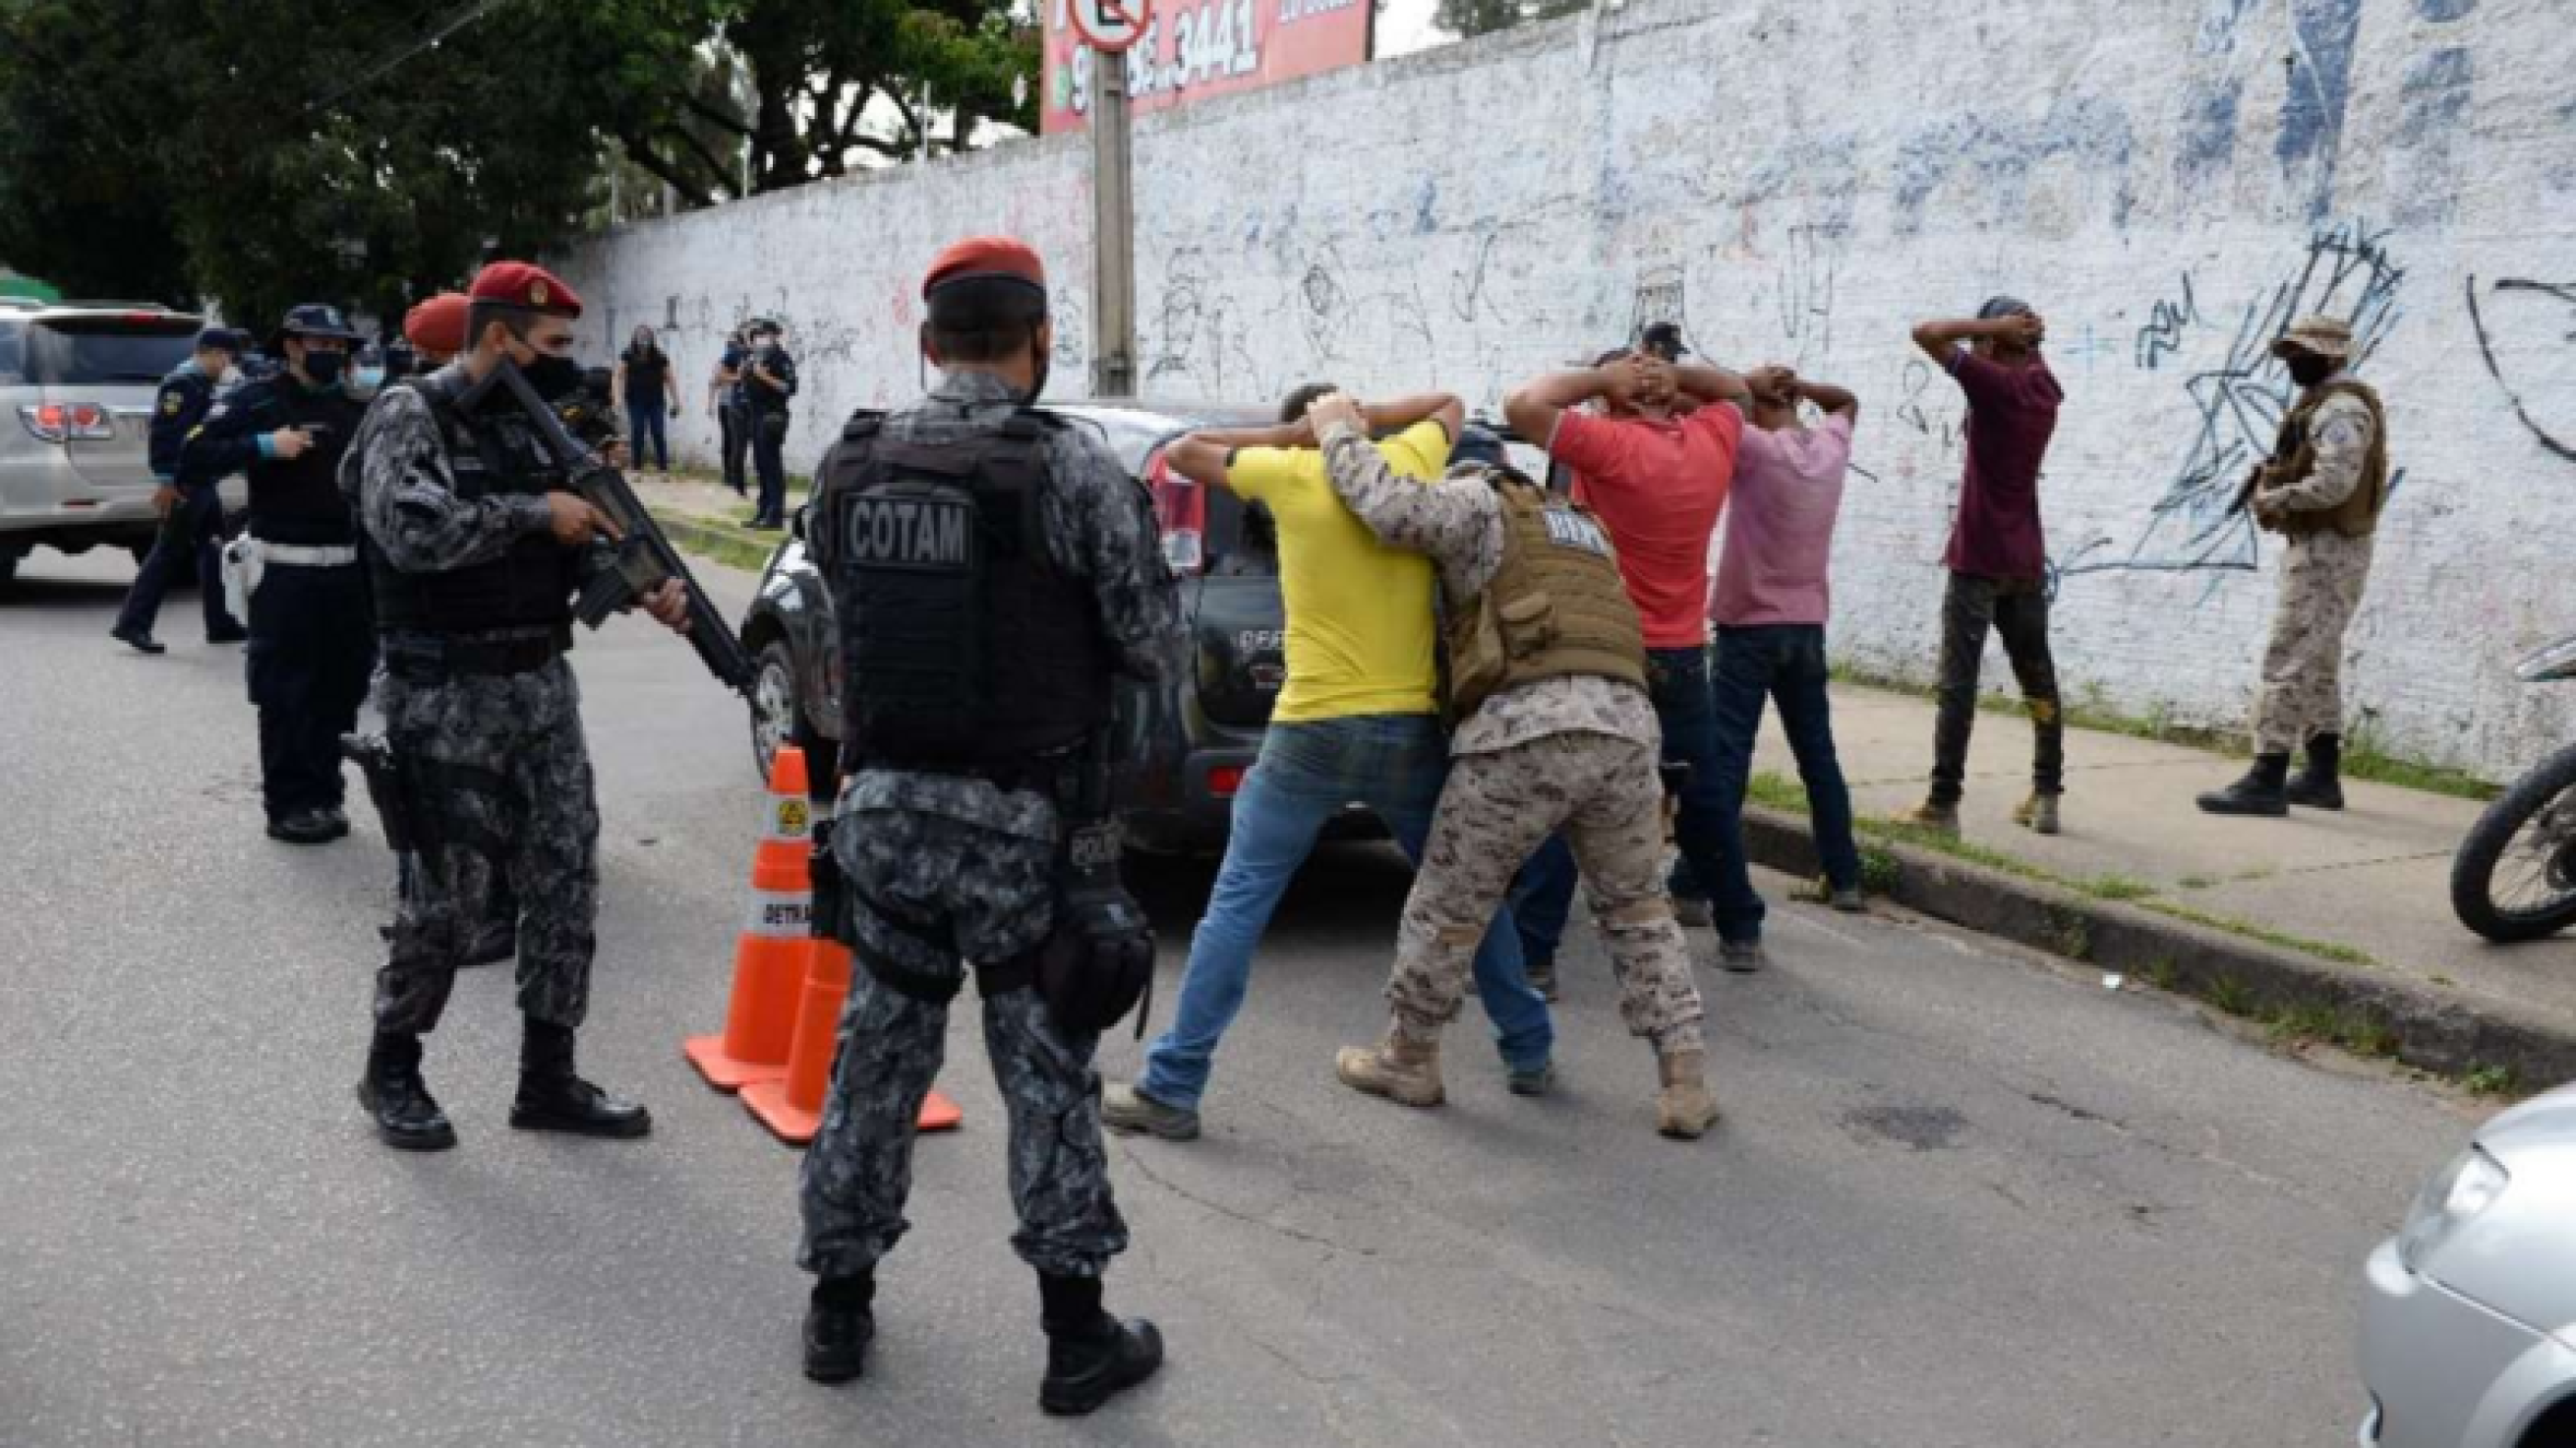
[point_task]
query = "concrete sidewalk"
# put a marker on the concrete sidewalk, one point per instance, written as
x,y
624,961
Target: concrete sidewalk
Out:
x,y
2373,880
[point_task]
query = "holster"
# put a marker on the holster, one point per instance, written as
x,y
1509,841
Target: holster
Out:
x,y
1098,963
408,794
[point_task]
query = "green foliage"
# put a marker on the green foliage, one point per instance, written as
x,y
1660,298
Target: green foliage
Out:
x,y
2491,1080
2116,887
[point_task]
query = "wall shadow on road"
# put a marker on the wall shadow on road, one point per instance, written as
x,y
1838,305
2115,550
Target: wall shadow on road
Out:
x,y
63,595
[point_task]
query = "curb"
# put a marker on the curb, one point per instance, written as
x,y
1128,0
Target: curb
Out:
x,y
2434,1030
729,546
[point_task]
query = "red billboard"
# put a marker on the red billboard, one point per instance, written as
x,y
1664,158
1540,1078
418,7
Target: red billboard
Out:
x,y
1196,48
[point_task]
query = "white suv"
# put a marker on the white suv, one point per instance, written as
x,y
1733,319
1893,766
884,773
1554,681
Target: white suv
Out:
x,y
77,380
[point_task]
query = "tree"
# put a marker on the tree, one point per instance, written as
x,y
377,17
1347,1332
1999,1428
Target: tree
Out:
x,y
821,83
73,143
1468,19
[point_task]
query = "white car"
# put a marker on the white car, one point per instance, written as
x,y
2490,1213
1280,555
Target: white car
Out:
x,y
2468,1327
77,381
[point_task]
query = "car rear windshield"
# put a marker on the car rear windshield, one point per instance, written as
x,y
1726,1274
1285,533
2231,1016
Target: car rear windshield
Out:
x,y
13,354
99,351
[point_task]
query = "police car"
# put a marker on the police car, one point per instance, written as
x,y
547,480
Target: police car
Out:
x,y
1190,741
76,386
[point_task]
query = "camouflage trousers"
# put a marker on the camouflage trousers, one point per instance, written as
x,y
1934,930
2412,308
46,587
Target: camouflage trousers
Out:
x,y
2322,576
509,777
1603,793
991,895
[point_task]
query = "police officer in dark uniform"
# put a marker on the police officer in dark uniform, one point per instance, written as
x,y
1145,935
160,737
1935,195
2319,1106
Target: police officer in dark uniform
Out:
x,y
192,509
768,382
992,570
475,546
311,646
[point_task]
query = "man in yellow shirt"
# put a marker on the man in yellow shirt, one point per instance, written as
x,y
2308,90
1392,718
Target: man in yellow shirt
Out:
x,y
1358,720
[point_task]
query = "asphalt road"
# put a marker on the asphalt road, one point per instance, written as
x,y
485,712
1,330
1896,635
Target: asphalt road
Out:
x,y
1960,1197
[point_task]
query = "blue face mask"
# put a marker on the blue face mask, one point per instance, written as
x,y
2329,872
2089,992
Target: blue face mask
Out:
x,y
369,379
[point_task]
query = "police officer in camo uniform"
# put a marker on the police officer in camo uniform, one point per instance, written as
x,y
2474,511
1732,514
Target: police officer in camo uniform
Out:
x,y
1556,732
2322,491
474,548
992,570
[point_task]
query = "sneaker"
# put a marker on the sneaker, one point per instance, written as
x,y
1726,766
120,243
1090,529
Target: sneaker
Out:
x,y
1130,1112
2038,814
1934,816
1535,1080
1743,957
1692,913
1847,899
1395,1068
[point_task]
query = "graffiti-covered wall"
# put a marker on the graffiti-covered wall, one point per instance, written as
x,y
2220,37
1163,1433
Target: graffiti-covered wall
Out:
x,y
1799,180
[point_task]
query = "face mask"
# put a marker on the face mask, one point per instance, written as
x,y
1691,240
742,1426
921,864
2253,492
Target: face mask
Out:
x,y
553,377
230,377
2309,371
370,379
324,367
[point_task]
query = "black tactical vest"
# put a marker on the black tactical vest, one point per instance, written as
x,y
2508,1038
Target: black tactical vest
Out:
x,y
530,585
963,645
297,501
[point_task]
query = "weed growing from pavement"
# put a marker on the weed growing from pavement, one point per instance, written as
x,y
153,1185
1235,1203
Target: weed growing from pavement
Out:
x,y
2322,949
2357,1031
2116,887
2491,1080
2362,759
2231,995
2195,882
721,543
2162,974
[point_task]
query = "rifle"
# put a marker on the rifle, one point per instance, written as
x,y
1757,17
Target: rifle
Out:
x,y
642,559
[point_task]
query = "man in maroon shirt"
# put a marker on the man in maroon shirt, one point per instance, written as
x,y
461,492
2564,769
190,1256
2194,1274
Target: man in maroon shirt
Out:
x,y
1998,562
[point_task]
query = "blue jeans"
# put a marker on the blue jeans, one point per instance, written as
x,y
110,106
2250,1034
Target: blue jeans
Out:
x,y
1707,828
200,528
1393,763
1785,662
644,420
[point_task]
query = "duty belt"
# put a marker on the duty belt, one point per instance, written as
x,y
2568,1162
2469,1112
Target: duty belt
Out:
x,y
298,557
428,658
1051,775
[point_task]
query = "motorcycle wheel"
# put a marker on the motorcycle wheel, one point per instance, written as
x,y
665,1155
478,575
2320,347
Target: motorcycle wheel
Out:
x,y
2515,876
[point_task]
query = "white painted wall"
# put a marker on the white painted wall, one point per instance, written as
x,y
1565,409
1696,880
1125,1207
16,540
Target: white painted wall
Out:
x,y
1800,180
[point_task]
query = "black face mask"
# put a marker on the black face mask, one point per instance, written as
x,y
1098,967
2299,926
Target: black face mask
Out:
x,y
2309,371
324,367
554,378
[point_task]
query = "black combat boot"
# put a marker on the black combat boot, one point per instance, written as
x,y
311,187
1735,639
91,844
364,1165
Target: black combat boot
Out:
x,y
2320,784
393,1093
1091,1356
840,1322
552,1098
2263,790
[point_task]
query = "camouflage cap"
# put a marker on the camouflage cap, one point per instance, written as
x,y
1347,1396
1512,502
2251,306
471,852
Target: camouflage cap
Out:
x,y
2327,337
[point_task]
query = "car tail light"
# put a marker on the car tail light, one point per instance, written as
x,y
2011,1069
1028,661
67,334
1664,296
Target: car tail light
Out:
x,y
1180,508
60,422
1225,781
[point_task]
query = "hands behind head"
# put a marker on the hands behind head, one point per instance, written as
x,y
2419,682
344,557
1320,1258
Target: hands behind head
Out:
x,y
1773,384
2025,330
1335,407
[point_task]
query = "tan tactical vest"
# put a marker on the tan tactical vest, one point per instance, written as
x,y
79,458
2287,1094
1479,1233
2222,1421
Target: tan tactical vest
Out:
x,y
1556,607
2294,457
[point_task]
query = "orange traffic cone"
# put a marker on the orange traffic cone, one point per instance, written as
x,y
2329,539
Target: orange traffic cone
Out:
x,y
793,1108
769,960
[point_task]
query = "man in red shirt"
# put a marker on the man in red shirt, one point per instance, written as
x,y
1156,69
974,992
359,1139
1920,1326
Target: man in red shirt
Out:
x,y
1998,560
1654,464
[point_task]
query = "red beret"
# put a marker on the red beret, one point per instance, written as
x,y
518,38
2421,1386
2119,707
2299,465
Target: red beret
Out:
x,y
517,284
438,325
985,256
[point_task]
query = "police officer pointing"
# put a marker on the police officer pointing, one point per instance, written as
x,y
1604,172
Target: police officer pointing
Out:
x,y
474,548
311,646
992,569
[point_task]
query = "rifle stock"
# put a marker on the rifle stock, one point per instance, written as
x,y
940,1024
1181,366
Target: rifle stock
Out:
x,y
641,559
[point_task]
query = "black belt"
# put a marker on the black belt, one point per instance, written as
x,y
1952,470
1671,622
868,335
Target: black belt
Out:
x,y
1051,775
431,657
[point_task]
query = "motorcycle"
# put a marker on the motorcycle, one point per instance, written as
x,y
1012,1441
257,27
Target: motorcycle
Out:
x,y
2515,876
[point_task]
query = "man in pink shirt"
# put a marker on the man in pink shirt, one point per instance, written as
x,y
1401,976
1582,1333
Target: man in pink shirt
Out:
x,y
1654,465
1770,609
1998,560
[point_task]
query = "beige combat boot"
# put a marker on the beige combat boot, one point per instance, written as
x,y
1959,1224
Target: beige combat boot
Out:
x,y
2038,814
1397,1069
1932,816
1685,1109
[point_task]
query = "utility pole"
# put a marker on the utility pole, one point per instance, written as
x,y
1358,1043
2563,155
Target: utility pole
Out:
x,y
1113,232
